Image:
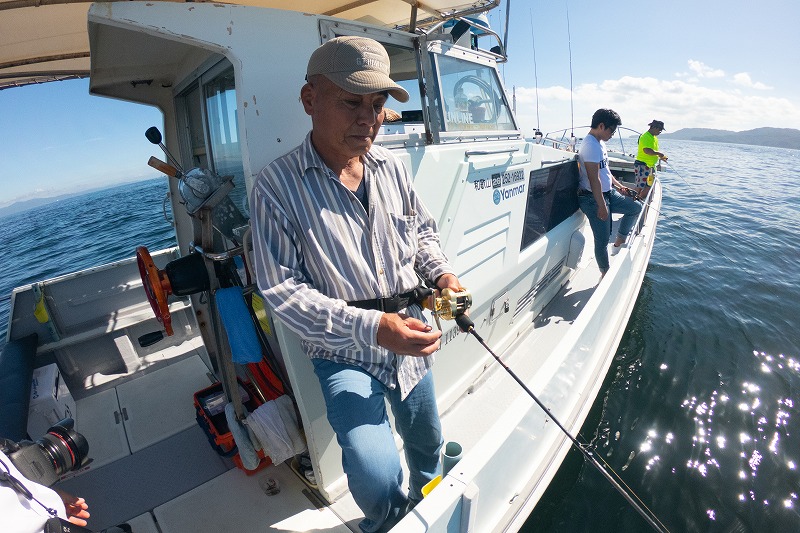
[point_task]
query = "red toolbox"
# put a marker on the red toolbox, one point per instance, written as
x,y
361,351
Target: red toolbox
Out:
x,y
209,404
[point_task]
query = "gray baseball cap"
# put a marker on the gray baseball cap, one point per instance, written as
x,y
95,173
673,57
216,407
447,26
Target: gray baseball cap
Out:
x,y
356,64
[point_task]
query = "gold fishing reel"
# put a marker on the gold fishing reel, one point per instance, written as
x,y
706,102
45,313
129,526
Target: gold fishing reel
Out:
x,y
448,305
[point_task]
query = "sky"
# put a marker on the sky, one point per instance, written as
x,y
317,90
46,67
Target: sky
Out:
x,y
729,65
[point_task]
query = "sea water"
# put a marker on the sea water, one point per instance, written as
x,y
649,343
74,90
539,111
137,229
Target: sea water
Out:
x,y
81,232
699,413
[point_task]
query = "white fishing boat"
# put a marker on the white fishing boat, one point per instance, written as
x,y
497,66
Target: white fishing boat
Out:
x,y
227,78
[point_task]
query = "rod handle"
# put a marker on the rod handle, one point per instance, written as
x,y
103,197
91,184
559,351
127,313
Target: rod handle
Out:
x,y
465,322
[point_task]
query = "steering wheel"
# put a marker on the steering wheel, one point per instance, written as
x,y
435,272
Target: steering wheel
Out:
x,y
485,96
157,287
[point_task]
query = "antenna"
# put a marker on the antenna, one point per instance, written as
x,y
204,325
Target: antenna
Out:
x,y
514,99
569,42
505,34
536,80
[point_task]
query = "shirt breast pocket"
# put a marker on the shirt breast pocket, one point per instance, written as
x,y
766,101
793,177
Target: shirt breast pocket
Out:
x,y
404,233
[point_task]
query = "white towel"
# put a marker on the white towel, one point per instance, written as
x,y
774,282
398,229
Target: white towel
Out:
x,y
241,437
275,426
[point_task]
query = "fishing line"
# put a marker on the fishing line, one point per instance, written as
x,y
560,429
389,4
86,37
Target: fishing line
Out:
x,y
707,240
674,219
698,235
673,169
467,325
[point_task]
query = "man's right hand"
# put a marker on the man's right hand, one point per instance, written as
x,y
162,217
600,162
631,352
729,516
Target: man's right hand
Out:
x,y
406,335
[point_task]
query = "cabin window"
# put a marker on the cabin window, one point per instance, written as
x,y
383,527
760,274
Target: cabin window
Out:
x,y
404,73
209,115
223,132
193,110
552,198
472,96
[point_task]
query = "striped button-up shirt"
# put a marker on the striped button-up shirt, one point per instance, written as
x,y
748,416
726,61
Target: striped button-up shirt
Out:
x,y
316,247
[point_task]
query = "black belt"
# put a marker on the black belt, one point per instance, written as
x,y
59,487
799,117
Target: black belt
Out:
x,y
392,304
584,192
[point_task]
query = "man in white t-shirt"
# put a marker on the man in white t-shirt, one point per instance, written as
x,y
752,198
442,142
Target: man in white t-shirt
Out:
x,y
599,191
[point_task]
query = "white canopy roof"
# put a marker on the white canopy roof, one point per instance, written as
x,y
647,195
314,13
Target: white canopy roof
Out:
x,y
46,40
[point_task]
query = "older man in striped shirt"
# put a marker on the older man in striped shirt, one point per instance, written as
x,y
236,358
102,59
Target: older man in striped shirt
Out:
x,y
339,236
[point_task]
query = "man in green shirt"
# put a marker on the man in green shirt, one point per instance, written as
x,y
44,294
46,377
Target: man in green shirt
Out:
x,y
647,157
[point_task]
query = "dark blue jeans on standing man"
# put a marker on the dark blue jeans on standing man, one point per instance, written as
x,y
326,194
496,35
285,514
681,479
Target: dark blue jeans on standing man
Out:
x,y
616,203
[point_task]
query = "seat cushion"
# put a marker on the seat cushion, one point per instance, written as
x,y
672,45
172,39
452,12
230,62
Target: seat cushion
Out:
x,y
16,372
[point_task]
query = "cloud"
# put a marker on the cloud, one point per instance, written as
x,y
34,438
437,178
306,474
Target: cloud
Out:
x,y
743,79
704,71
680,103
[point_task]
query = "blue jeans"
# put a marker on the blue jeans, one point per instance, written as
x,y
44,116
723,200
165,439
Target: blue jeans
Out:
x,y
357,413
601,229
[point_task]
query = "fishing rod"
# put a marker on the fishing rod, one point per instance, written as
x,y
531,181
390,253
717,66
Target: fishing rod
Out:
x,y
673,169
468,326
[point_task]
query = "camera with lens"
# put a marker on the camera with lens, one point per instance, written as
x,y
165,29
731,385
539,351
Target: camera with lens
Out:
x,y
60,450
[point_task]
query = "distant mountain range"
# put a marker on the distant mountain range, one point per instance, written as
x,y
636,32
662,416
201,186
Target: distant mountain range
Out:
x,y
24,205
777,137
18,206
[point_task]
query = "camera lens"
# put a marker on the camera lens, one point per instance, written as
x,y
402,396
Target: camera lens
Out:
x,y
60,451
66,448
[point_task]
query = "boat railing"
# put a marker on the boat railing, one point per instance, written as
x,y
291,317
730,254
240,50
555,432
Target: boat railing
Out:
x,y
557,143
560,139
472,17
639,225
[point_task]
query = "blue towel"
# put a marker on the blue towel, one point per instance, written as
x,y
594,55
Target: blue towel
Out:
x,y
238,326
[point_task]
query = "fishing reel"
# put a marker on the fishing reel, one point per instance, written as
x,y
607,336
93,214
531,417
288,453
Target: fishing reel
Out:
x,y
448,305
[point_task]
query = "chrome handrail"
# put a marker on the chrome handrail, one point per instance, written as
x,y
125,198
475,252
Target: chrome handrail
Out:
x,y
491,152
639,224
